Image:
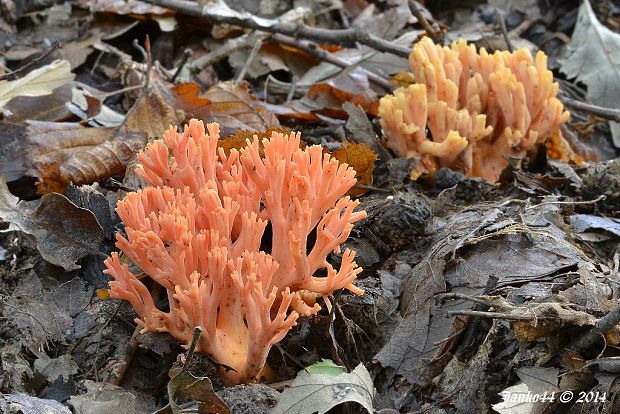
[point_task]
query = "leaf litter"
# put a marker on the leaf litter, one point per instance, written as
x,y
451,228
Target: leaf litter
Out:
x,y
476,294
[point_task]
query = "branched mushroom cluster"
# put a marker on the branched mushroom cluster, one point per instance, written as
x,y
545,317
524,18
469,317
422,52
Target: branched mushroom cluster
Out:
x,y
468,109
199,232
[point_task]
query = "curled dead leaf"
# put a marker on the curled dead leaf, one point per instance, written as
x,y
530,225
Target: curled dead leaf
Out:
x,y
362,159
350,86
227,103
238,139
63,231
60,153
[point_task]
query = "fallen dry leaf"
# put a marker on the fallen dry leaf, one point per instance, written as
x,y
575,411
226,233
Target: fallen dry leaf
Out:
x,y
227,103
362,159
50,107
350,86
39,82
155,110
313,392
64,232
592,57
59,153
239,139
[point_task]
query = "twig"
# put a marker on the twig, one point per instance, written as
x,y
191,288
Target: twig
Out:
x,y
476,327
596,200
315,50
611,114
338,36
125,364
192,347
15,74
495,315
187,53
136,45
373,188
332,335
242,42
106,95
502,27
232,45
451,336
579,147
248,62
149,62
293,359
292,89
433,32
146,51
454,295
597,331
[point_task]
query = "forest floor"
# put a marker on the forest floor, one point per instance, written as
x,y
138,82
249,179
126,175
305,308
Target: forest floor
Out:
x,y
478,297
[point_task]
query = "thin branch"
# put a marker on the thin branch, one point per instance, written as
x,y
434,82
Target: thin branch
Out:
x,y
611,114
502,26
570,203
314,50
15,74
232,45
340,36
250,59
494,315
597,331
120,372
149,61
579,147
433,32
136,45
106,95
187,53
461,296
192,347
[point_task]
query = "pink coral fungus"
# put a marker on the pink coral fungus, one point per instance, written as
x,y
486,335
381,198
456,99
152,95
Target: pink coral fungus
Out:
x,y
478,107
199,230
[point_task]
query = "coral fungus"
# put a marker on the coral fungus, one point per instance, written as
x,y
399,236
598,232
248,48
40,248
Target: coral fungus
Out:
x,y
199,230
478,107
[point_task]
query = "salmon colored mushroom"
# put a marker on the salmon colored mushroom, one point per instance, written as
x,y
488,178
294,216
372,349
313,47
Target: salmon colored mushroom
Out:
x,y
477,108
198,232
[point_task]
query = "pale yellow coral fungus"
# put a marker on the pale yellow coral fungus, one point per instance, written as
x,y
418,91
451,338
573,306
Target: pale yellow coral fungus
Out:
x,y
469,109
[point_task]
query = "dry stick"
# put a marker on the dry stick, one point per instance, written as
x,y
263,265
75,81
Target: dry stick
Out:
x,y
573,140
33,62
192,347
484,314
603,325
238,43
127,359
495,315
315,50
257,45
338,36
610,114
149,62
433,32
187,53
455,295
146,52
106,95
502,27
332,318
214,56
